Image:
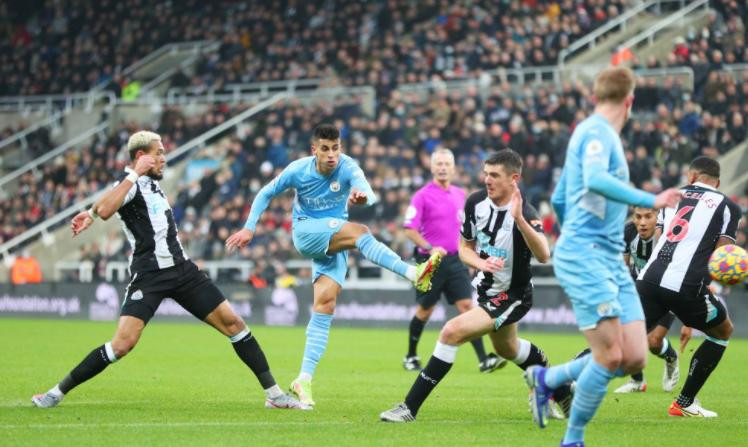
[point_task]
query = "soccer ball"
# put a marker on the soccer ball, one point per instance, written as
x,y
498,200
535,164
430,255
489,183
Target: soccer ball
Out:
x,y
728,265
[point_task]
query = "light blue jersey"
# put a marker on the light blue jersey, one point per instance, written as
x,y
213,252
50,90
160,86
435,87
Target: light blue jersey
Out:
x,y
592,196
591,201
317,196
320,209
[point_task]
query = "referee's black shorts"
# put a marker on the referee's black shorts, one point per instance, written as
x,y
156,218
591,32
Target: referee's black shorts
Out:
x,y
696,307
451,278
184,283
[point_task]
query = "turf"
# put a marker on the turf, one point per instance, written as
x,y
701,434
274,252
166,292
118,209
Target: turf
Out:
x,y
183,385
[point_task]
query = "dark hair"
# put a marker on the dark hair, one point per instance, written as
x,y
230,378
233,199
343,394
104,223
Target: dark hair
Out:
x,y
705,166
511,160
325,132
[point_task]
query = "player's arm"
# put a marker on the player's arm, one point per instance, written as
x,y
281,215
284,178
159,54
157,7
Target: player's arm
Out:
x,y
532,233
266,194
361,192
730,219
470,257
558,199
114,199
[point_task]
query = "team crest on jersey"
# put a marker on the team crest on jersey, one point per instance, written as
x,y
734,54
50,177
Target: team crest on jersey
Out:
x,y
137,295
335,186
333,223
605,309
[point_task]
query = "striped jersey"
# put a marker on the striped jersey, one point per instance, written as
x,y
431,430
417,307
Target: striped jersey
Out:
x,y
496,234
149,226
689,236
638,249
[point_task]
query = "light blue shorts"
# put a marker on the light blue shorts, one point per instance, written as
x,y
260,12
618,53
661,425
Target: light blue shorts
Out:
x,y
598,284
311,237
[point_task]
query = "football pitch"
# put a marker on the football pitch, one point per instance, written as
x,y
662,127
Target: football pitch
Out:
x,y
183,385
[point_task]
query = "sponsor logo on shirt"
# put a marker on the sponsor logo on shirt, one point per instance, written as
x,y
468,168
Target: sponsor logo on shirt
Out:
x,y
335,186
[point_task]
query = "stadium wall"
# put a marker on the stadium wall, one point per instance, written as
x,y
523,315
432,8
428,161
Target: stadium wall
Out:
x,y
288,307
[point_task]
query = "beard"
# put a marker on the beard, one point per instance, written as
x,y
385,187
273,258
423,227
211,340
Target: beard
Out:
x,y
155,175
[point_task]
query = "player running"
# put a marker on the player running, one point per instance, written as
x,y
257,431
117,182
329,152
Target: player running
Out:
x,y
676,278
325,184
159,269
432,222
500,233
591,203
639,240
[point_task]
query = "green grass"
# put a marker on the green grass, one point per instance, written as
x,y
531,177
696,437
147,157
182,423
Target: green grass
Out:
x,y
183,385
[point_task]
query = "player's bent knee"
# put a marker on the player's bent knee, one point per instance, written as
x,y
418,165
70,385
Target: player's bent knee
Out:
x,y
123,346
451,333
723,331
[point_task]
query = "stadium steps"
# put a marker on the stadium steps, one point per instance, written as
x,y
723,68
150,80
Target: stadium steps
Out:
x,y
734,169
603,50
663,43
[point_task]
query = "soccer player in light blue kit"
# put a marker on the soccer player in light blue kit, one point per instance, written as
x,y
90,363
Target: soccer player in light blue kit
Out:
x,y
326,183
591,201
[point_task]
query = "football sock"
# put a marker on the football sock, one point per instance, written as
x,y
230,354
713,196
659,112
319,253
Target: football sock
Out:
x,y
438,367
704,361
416,329
639,377
381,255
480,350
317,332
555,376
592,385
273,392
528,354
667,352
583,352
247,348
94,363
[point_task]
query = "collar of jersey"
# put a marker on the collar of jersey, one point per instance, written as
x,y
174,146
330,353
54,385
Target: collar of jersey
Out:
x,y
704,185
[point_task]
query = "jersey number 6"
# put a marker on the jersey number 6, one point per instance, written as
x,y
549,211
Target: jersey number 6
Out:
x,y
680,223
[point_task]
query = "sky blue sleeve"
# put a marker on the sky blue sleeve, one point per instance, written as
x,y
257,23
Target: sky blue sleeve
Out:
x,y
597,179
558,199
266,194
359,182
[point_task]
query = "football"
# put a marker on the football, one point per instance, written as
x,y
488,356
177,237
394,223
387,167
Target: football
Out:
x,y
728,265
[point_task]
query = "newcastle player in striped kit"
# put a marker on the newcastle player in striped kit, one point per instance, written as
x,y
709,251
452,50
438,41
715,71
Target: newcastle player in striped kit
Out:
x,y
432,222
159,269
500,233
676,278
639,237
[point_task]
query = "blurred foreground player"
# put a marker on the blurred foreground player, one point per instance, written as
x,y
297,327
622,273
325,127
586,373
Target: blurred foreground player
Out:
x,y
159,269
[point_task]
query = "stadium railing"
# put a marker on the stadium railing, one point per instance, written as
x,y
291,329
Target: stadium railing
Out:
x,y
20,137
264,89
619,23
674,20
43,228
67,101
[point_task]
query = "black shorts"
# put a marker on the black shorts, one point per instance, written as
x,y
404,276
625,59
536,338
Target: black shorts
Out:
x,y
451,278
696,307
507,307
184,283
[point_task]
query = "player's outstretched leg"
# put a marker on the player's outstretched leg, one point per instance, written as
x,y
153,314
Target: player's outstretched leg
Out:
x,y
660,346
543,381
127,335
412,362
249,351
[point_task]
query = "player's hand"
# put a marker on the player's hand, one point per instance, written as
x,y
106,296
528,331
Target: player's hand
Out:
x,y
668,198
144,164
685,336
357,198
239,239
438,250
516,207
492,265
80,222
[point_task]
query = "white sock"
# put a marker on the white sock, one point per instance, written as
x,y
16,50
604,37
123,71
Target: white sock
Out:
x,y
523,352
273,392
445,352
665,345
56,391
411,273
305,376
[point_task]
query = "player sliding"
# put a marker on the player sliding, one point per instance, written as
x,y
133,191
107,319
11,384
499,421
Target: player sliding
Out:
x,y
325,184
590,201
676,278
500,233
159,269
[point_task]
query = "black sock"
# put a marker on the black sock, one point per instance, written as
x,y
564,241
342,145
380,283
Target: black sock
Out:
x,y
480,351
669,355
416,329
639,377
94,363
426,381
704,361
251,354
536,357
